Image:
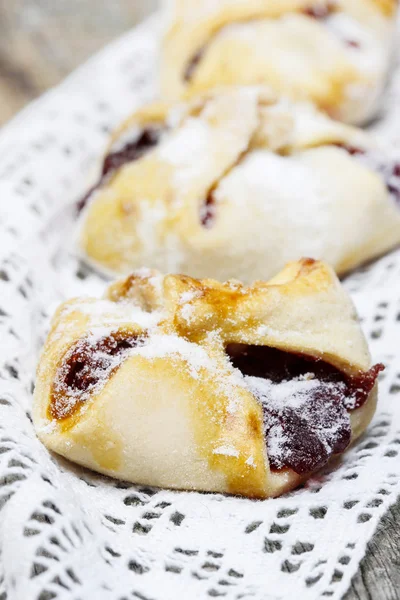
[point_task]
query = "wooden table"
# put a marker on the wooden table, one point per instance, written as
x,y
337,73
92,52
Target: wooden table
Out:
x,y
41,41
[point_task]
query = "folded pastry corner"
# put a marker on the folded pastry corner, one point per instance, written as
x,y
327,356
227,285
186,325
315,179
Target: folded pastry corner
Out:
x,y
336,53
236,183
199,385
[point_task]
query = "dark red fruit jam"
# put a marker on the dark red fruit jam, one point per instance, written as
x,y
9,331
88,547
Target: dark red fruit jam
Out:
x,y
85,365
352,43
393,181
81,204
361,385
352,150
390,171
318,427
192,65
310,436
320,11
207,211
148,139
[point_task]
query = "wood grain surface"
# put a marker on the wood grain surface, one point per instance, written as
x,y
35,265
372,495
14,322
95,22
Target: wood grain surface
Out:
x,y
41,41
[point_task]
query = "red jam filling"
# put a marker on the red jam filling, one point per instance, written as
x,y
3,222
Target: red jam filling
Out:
x,y
352,150
320,11
389,170
192,65
306,404
352,43
207,211
147,140
87,366
393,182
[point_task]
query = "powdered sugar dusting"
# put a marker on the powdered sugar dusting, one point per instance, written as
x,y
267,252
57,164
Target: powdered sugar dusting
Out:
x,y
100,312
89,363
87,366
305,420
161,346
226,450
301,192
251,462
189,296
188,150
187,310
365,50
197,360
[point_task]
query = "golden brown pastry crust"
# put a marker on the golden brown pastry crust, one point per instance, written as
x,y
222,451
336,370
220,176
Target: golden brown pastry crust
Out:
x,y
333,52
174,411
238,185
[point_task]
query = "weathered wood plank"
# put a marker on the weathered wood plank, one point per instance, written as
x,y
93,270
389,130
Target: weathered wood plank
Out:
x,y
378,577
41,41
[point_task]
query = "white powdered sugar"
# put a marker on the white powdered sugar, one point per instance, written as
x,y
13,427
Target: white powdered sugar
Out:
x,y
161,346
366,51
90,362
226,450
87,366
115,313
187,310
129,136
311,124
291,393
251,462
198,361
266,171
265,179
300,408
189,296
142,273
208,144
152,215
103,350
187,150
263,330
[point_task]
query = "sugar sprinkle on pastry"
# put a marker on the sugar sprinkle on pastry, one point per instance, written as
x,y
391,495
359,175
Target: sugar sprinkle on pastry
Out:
x,y
242,183
336,53
253,393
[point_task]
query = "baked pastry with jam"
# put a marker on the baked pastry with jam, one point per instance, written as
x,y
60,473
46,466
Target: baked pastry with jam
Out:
x,y
193,384
236,183
336,53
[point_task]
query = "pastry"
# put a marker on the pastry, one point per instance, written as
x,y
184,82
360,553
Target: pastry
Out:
x,y
182,383
237,183
336,53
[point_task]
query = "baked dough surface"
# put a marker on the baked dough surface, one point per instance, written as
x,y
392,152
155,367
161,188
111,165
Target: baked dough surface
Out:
x,y
336,53
140,385
237,183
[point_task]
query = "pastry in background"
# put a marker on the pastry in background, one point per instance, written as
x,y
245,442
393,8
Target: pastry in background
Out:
x,y
336,53
236,183
181,383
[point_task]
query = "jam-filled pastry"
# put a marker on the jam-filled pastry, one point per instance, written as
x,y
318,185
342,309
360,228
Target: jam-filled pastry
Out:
x,y
336,53
236,184
193,384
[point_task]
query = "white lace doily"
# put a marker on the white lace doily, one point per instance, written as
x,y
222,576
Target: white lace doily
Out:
x,y
66,533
